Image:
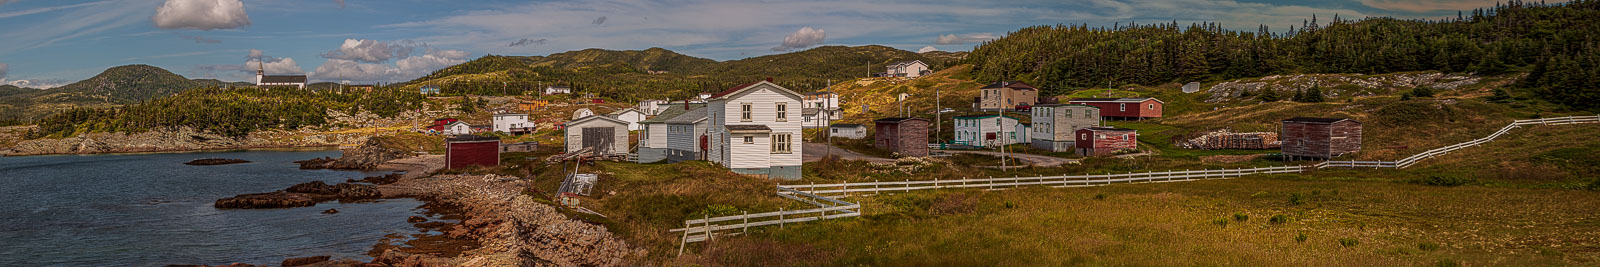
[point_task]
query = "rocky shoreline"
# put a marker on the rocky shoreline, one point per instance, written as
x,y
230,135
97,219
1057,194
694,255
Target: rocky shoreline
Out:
x,y
174,140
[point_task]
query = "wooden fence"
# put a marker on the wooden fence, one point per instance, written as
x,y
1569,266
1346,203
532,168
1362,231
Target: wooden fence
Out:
x,y
1413,159
848,189
707,228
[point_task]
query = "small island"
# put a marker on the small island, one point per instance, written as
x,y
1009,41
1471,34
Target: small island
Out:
x,y
214,161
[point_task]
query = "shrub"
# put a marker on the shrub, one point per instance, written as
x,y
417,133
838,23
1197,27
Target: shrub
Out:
x,y
1296,199
1241,217
1099,196
1425,246
1278,219
1446,263
1349,242
1221,222
1300,238
1594,185
1422,92
1445,180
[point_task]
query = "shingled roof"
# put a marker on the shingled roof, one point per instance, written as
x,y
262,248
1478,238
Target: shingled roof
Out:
x,y
1317,120
284,79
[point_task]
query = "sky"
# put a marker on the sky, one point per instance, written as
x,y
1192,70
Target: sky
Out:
x,y
47,43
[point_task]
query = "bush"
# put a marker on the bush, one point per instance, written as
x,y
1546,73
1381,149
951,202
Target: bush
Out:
x,y
1296,199
1446,263
1241,217
1221,222
1099,196
1445,180
1349,242
1278,219
1425,246
1300,238
1422,92
1594,185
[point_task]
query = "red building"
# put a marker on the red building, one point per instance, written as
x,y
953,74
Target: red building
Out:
x,y
1101,141
1320,138
905,136
438,125
1124,108
468,150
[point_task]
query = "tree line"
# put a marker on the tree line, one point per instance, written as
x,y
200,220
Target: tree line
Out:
x,y
234,112
1558,42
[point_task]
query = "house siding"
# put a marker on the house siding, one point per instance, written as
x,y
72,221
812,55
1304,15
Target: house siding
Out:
x,y
908,138
972,131
462,154
730,150
1091,142
574,135
1320,140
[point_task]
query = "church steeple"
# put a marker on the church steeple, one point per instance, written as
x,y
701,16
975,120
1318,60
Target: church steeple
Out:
x,y
261,71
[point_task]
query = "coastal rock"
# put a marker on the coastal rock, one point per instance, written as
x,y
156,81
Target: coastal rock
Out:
x,y
273,200
379,180
416,219
364,157
330,211
214,161
177,139
305,260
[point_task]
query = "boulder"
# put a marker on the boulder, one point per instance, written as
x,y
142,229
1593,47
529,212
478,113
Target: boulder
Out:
x,y
273,200
214,161
305,260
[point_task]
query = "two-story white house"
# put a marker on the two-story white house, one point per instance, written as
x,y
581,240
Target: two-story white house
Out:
x,y
989,130
651,107
821,108
1055,124
653,138
631,115
557,90
755,130
512,123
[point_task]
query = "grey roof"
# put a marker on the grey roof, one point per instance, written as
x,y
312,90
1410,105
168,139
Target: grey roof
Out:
x,y
1116,100
1110,129
896,120
666,114
471,138
808,111
283,79
690,117
846,125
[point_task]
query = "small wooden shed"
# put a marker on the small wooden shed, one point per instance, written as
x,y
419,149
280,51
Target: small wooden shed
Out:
x,y
904,136
847,130
1101,141
607,135
471,150
1320,138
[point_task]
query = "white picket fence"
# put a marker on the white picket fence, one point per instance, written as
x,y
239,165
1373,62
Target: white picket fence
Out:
x,y
849,189
707,228
1413,159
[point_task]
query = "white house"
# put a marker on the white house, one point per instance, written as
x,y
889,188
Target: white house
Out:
x,y
651,107
581,113
989,130
852,131
264,80
457,128
557,90
684,133
821,108
513,123
631,115
908,69
755,130
1055,124
608,136
822,100
653,139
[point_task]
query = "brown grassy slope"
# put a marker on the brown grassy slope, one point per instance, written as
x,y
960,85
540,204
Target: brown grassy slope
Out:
x,y
954,86
1178,224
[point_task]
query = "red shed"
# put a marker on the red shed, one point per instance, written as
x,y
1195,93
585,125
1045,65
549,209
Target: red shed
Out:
x,y
438,124
1101,141
905,136
468,150
1320,138
1124,108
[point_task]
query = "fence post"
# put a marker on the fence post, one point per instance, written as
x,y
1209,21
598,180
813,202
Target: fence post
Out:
x,y
1014,180
685,241
874,187
991,182
707,219
780,218
845,186
746,223
906,185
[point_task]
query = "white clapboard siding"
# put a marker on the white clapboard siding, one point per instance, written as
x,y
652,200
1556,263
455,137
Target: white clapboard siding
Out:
x,y
686,141
763,99
655,135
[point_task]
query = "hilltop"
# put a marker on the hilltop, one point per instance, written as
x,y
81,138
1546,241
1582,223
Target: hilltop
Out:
x,y
113,87
662,73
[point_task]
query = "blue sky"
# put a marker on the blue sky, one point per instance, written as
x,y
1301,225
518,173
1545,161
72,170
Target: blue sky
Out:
x,y
47,43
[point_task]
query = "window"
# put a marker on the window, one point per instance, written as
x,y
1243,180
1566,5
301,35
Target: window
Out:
x,y
783,111
1122,106
744,111
749,139
835,130
780,144
1152,106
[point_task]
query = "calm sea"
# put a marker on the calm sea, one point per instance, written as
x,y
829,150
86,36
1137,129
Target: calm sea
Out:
x,y
151,210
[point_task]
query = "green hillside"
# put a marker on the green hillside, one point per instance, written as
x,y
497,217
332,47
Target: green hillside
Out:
x,y
1554,40
661,73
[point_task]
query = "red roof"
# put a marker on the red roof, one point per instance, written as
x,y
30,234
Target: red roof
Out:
x,y
737,88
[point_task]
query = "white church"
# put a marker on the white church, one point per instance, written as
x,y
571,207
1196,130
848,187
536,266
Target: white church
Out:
x,y
263,80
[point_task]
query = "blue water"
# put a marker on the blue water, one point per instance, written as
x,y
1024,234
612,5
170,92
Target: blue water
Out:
x,y
151,210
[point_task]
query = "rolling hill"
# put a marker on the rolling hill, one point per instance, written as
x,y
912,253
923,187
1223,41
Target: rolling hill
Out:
x,y
115,86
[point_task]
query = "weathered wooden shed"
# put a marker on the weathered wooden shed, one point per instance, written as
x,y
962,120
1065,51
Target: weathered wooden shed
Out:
x,y
1320,138
607,135
471,150
904,136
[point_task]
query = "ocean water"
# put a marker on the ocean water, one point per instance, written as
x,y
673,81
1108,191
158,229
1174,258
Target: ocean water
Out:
x,y
151,210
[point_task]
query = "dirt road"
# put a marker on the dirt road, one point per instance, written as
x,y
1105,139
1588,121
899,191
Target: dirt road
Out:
x,y
811,152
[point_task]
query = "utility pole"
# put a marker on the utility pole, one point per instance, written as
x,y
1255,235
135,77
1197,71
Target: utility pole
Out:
x,y
938,114
826,132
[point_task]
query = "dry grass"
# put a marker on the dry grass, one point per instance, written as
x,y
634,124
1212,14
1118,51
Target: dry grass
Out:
x,y
1172,224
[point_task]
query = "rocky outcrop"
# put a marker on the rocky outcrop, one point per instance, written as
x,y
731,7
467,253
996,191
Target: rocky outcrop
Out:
x,y
215,161
301,195
305,260
379,180
180,139
364,157
1337,85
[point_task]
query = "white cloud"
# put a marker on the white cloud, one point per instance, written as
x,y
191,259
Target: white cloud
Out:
x,y
950,39
201,15
926,49
403,69
4,68
805,37
370,51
